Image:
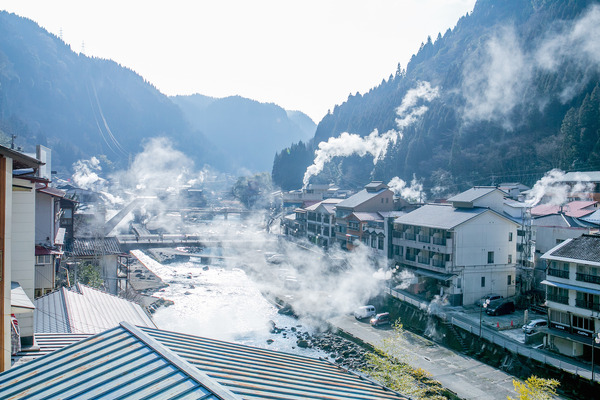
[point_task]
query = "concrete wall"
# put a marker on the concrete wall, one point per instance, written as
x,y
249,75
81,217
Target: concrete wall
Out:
x,y
496,281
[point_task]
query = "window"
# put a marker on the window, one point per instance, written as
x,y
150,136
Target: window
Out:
x,y
510,236
559,317
510,258
380,242
483,281
490,257
586,324
558,295
458,283
387,200
509,280
45,259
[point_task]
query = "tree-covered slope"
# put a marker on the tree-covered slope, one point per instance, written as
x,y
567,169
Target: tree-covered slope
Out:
x,y
517,84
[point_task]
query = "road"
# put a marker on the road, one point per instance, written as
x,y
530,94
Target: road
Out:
x,y
468,378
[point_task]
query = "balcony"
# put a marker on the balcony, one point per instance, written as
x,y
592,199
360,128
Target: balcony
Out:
x,y
411,257
587,278
559,273
409,236
424,239
439,241
423,260
557,298
589,305
438,263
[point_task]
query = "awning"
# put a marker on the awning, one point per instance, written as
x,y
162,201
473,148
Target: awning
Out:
x,y
570,287
431,274
19,301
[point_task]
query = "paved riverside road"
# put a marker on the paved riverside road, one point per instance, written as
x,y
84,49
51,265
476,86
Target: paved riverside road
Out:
x,y
468,378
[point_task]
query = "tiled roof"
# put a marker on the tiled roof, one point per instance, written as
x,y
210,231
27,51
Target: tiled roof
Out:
x,y
576,209
585,247
131,363
85,310
94,247
52,191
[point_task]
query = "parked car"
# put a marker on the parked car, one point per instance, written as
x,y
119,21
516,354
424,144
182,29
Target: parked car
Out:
x,y
500,307
491,297
365,312
533,325
380,319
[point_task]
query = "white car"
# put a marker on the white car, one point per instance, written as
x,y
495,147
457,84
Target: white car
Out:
x,y
533,325
365,312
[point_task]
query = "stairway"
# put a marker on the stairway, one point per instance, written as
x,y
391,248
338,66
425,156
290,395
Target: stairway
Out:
x,y
451,328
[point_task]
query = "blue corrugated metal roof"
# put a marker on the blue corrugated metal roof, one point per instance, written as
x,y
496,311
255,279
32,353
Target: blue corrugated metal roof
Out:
x,y
255,373
130,362
120,363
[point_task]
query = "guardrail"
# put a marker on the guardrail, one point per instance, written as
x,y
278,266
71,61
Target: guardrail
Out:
x,y
525,351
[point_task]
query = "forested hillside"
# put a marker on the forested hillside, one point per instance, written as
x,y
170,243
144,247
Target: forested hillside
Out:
x,y
82,107
517,93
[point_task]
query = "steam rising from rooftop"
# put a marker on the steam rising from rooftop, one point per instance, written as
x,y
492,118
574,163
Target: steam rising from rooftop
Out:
x,y
375,144
413,193
554,190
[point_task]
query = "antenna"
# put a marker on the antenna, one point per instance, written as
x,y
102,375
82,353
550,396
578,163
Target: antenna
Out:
x,y
82,47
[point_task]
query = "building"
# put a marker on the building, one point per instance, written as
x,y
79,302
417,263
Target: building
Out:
x,y
583,184
463,250
573,295
375,197
320,222
17,244
135,362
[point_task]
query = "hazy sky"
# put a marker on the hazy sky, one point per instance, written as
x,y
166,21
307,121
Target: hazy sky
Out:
x,y
303,55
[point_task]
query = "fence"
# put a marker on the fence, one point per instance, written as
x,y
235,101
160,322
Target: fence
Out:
x,y
525,351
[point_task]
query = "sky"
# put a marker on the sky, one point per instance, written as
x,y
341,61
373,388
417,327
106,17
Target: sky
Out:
x,y
306,55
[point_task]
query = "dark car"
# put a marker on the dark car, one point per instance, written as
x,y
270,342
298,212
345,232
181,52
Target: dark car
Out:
x,y
381,319
500,308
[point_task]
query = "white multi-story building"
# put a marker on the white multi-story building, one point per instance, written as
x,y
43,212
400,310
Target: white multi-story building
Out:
x,y
320,222
573,295
463,250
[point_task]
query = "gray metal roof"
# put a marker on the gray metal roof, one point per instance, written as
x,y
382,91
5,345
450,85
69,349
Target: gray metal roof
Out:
x,y
368,216
442,216
85,310
120,363
359,198
472,194
47,343
585,247
129,362
93,247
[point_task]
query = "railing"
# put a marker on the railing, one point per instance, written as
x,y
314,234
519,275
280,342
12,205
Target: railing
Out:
x,y
559,273
439,241
557,298
525,351
409,236
424,239
438,263
587,278
407,299
589,305
423,260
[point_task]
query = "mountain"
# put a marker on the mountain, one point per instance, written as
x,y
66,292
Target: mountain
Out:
x,y
247,132
507,94
82,106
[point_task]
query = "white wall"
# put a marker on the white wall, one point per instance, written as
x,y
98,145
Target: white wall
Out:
x,y
6,202
44,219
496,281
493,200
23,247
546,236
484,233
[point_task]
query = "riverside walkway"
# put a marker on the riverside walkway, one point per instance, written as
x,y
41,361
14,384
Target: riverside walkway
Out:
x,y
463,375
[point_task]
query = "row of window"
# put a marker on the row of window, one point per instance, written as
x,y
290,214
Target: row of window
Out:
x,y
577,322
582,300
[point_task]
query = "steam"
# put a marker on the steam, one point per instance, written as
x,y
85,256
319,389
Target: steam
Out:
x,y
413,193
375,144
405,279
551,189
86,175
497,81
